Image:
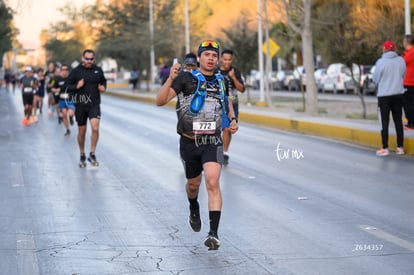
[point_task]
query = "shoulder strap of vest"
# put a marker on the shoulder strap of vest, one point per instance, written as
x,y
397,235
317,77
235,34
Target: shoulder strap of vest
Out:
x,y
202,82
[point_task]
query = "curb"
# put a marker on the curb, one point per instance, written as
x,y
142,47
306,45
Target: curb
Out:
x,y
362,137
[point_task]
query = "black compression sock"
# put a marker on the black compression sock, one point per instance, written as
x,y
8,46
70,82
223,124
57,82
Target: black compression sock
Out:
x,y
214,220
194,203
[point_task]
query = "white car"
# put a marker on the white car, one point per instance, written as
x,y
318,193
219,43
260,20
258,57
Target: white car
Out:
x,y
339,78
320,75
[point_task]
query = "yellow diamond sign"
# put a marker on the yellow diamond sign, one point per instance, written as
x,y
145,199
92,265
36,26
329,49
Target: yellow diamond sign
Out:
x,y
273,47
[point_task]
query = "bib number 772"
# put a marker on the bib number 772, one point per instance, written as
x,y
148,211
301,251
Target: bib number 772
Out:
x,y
204,127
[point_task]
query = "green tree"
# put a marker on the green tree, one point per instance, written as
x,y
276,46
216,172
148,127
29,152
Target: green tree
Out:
x,y
125,33
243,42
65,40
64,51
352,32
6,31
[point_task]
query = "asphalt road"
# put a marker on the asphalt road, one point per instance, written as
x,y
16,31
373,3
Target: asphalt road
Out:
x,y
293,204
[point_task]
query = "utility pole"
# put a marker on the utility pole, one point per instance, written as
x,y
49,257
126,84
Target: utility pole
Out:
x,y
407,17
152,52
187,28
268,74
260,42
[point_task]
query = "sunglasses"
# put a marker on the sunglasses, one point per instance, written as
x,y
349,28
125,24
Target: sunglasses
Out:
x,y
89,59
209,43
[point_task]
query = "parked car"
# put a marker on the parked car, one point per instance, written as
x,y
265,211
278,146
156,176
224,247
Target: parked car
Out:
x,y
339,78
320,74
282,80
368,86
300,74
253,80
110,75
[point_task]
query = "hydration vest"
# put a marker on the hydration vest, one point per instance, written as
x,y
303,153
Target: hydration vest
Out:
x,y
198,99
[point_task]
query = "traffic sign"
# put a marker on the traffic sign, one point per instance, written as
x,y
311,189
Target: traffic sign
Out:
x,y
273,48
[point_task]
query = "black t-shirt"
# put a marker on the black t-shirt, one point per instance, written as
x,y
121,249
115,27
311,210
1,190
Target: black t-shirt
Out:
x,y
60,82
89,94
232,89
208,121
28,85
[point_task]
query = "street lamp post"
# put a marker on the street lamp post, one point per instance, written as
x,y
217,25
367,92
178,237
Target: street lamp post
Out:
x,y
259,42
407,17
152,52
187,28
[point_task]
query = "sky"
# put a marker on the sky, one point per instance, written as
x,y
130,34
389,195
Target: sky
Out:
x,y
34,15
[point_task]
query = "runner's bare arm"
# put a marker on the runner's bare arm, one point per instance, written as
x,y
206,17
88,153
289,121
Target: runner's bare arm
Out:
x,y
166,93
233,123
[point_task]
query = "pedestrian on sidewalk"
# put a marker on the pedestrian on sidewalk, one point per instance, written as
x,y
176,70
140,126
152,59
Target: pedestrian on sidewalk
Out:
x,y
87,81
408,99
199,126
134,78
389,77
235,85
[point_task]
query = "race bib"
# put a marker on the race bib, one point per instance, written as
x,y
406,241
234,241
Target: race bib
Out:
x,y
27,89
205,122
64,96
204,127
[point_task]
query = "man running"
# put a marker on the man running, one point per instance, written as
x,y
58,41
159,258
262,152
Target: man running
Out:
x,y
235,85
66,106
28,83
87,81
201,95
40,93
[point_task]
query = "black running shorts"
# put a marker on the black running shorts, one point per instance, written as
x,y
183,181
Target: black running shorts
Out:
x,y
82,113
28,99
194,153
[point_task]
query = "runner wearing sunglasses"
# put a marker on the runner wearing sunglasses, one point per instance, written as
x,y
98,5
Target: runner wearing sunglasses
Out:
x,y
86,82
201,146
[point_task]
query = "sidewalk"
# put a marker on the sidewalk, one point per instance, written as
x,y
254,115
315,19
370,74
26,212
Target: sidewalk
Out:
x,y
362,132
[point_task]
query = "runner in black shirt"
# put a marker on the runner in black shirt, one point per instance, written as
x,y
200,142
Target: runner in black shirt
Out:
x,y
200,130
235,85
86,82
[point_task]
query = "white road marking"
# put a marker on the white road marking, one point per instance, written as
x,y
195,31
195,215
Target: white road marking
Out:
x,y
388,237
26,254
17,172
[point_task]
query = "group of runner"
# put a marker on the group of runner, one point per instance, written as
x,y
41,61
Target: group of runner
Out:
x,y
34,84
70,94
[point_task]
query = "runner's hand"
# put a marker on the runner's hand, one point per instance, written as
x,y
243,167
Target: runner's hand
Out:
x,y
233,126
175,69
101,88
80,84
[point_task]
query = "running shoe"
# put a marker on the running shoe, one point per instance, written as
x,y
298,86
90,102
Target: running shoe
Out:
x,y
92,159
212,241
25,121
67,133
399,151
32,119
71,120
408,127
226,159
194,220
383,152
82,162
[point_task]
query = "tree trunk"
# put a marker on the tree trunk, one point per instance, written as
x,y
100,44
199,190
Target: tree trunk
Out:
x,y
307,44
